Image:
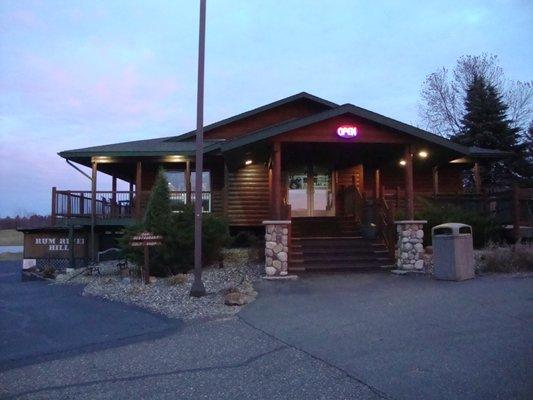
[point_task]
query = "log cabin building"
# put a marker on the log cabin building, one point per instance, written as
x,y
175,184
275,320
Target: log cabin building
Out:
x,y
327,180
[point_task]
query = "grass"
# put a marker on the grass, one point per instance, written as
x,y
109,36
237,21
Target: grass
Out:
x,y
11,237
507,258
10,256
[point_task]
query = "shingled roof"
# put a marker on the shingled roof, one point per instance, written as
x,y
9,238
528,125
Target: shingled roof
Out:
x,y
184,145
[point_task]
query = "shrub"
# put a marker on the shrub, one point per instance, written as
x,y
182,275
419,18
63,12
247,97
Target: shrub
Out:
x,y
484,229
244,239
176,254
251,241
507,258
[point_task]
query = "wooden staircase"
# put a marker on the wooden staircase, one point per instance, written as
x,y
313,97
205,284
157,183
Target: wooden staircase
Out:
x,y
334,244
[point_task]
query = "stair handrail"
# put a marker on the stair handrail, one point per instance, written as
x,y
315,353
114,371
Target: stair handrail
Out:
x,y
385,224
359,202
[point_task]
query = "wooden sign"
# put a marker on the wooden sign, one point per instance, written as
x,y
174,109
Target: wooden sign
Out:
x,y
56,245
146,240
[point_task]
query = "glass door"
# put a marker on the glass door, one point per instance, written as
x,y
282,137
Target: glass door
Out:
x,y
310,193
322,194
298,195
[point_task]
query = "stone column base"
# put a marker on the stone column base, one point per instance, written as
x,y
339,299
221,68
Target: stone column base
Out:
x,y
276,247
410,246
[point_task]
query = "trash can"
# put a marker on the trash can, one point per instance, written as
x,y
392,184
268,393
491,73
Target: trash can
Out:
x,y
453,252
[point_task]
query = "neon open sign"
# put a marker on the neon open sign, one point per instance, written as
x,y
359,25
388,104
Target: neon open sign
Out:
x,y
347,131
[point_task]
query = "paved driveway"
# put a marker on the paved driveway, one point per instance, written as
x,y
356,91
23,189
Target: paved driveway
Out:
x,y
360,336
42,321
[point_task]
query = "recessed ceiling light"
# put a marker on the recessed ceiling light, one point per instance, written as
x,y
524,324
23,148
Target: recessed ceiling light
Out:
x,y
423,154
402,163
248,162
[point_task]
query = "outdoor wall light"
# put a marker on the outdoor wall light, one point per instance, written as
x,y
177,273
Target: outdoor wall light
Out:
x,y
248,162
423,154
402,163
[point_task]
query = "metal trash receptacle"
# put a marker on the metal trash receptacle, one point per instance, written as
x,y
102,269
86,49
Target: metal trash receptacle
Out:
x,y
453,252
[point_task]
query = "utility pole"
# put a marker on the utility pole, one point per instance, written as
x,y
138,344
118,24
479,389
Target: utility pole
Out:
x,y
198,288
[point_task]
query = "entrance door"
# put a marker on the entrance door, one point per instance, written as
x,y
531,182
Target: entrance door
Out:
x,y
310,193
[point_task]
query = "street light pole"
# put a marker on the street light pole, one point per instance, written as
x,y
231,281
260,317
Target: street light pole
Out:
x,y
198,288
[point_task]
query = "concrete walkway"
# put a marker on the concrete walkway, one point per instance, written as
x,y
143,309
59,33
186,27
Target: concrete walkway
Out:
x,y
355,336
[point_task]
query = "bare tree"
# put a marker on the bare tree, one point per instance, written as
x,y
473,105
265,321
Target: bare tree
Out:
x,y
443,94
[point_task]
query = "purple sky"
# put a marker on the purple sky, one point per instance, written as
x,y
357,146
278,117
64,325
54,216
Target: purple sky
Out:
x,y
76,74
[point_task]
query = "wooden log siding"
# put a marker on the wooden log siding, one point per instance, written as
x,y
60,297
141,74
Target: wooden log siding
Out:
x,y
248,196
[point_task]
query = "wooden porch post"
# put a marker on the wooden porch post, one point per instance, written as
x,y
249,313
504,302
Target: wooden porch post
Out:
x,y
435,181
477,177
409,191
114,195
276,181
225,191
54,206
93,209
377,184
138,190
188,182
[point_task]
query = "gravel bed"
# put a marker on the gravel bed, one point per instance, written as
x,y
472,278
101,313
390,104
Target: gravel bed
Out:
x,y
173,300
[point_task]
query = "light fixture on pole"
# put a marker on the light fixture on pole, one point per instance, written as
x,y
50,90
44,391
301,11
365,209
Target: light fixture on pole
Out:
x,y
198,288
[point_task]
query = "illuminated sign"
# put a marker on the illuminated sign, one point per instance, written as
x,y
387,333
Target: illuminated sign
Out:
x,y
347,131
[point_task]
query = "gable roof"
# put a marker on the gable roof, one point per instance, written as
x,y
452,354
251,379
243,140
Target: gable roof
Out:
x,y
179,144
341,110
250,113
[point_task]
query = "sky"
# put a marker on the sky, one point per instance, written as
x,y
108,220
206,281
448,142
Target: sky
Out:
x,y
81,73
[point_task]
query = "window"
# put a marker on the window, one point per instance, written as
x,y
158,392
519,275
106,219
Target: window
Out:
x,y
177,187
176,181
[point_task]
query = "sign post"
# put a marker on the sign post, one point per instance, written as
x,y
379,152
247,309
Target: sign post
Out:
x,y
146,240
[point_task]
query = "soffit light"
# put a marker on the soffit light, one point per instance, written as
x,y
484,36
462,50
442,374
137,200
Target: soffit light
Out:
x,y
102,159
423,154
174,158
402,163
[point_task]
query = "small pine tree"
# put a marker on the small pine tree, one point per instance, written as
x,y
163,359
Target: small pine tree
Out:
x,y
158,212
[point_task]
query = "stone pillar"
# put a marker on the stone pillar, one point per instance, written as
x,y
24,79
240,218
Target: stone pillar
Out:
x,y
410,249
276,247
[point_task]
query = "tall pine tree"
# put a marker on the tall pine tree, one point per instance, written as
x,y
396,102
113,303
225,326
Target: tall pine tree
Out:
x,y
485,124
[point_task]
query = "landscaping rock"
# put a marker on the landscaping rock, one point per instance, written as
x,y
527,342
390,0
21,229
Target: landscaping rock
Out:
x,y
235,299
173,300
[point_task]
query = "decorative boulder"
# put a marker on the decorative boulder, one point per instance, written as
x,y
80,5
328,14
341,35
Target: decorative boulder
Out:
x,y
236,299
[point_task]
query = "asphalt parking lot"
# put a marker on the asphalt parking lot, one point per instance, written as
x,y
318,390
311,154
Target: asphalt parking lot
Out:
x,y
350,336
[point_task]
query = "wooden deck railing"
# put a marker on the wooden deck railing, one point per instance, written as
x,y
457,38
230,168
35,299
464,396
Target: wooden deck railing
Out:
x,y
509,207
112,204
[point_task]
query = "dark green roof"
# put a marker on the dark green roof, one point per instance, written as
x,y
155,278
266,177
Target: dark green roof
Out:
x,y
149,147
